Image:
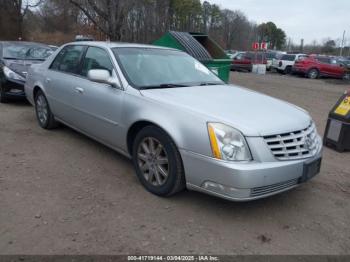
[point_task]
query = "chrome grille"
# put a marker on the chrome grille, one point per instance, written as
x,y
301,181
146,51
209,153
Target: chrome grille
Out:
x,y
295,145
264,190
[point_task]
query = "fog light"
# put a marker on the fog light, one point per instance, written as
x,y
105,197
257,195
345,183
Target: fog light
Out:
x,y
214,187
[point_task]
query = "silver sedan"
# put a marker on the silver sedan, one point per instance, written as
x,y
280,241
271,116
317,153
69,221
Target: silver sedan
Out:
x,y
181,125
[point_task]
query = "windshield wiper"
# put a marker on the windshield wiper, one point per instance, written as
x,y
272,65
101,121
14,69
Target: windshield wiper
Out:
x,y
13,58
35,59
162,86
210,83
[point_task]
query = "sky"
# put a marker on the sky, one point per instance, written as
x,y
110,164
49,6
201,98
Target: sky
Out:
x,y
307,19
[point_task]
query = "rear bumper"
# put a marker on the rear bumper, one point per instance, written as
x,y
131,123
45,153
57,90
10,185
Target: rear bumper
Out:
x,y
243,181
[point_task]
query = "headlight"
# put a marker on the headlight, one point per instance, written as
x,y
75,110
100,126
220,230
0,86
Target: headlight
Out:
x,y
12,75
228,143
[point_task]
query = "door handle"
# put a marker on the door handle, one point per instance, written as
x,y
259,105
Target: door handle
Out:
x,y
48,80
79,90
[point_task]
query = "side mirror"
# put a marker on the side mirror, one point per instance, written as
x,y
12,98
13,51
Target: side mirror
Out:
x,y
101,76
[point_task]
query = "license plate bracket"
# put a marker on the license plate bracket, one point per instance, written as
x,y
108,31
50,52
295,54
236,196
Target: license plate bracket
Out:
x,y
311,169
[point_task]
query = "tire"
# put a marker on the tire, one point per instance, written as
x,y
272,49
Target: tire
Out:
x,y
287,70
162,156
3,98
313,73
346,76
43,112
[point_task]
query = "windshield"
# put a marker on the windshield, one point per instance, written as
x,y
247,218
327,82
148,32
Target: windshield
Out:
x,y
152,67
26,51
288,57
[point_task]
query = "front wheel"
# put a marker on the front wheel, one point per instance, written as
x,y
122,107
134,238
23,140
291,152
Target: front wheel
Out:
x,y
313,74
157,162
43,112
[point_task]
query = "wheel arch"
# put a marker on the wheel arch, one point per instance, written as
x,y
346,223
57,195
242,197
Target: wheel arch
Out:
x,y
313,68
137,126
36,89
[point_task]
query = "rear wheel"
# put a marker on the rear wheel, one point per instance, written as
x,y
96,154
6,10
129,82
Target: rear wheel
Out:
x,y
313,73
43,112
3,98
157,162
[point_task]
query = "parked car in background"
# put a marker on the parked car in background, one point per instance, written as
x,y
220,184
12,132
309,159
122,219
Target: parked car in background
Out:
x,y
15,59
320,66
344,61
181,125
285,64
243,61
230,53
272,55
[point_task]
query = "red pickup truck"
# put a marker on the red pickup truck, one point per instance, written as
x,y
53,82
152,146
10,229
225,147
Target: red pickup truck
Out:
x,y
317,66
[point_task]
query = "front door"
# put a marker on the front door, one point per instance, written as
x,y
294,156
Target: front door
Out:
x,y
100,105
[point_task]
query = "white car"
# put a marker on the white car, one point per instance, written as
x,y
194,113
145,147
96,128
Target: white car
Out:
x,y
272,56
286,62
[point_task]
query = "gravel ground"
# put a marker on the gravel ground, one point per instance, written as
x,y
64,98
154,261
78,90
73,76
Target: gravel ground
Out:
x,y
63,193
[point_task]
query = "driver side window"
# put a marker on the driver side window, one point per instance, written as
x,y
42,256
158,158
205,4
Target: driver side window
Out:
x,y
96,58
68,59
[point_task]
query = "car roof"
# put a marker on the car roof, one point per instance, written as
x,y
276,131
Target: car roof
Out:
x,y
116,44
296,54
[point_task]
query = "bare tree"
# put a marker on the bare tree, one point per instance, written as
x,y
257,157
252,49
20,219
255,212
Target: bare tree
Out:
x,y
109,16
22,7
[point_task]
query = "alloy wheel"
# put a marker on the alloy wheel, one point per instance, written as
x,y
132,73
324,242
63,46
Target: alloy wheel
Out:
x,y
42,109
313,74
153,161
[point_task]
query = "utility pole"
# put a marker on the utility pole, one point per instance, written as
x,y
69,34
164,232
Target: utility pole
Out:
x,y
342,44
302,45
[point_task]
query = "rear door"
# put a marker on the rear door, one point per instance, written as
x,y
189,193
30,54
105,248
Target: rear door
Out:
x,y
325,67
61,81
100,105
336,69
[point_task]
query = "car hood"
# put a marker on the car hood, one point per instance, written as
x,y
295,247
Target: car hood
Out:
x,y
252,113
20,66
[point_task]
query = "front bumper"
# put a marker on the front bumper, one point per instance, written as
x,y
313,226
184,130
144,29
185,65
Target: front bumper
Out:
x,y
243,181
13,88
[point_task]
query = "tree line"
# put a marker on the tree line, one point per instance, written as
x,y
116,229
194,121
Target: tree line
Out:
x,y
142,21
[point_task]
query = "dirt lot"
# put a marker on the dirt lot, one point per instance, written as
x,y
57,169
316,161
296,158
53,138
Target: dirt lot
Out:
x,y
62,193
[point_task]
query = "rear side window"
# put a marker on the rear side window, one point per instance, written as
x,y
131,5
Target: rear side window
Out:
x,y
68,59
302,57
96,58
324,60
288,57
258,56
